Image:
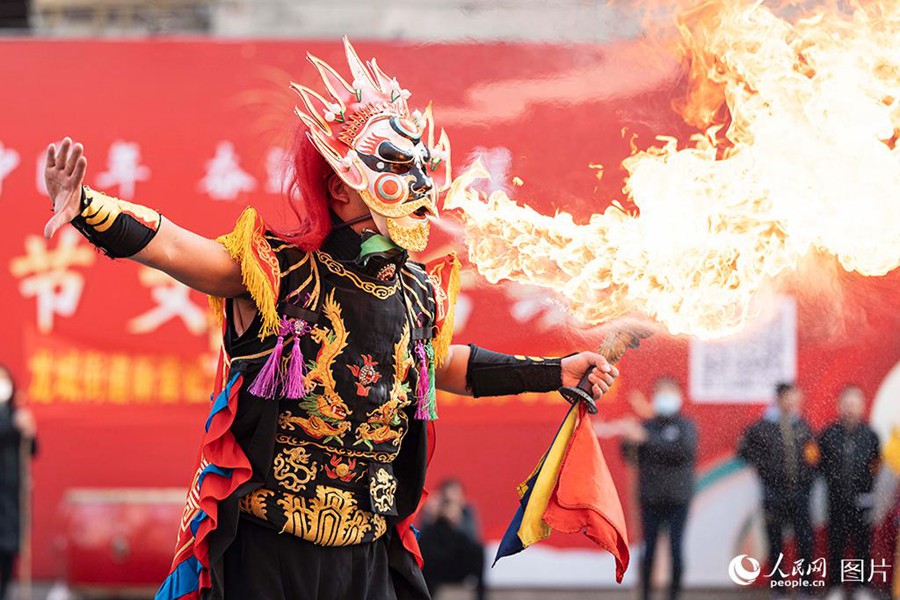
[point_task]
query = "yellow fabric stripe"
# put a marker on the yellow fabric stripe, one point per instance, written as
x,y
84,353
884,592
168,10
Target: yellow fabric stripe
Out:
x,y
445,334
533,528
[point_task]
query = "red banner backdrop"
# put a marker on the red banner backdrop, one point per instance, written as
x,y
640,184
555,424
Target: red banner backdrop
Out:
x,y
115,359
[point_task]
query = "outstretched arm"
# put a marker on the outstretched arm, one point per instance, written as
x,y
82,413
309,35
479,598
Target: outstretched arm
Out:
x,y
453,375
196,261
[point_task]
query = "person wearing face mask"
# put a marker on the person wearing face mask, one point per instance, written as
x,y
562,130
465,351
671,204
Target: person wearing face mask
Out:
x,y
851,455
664,448
17,430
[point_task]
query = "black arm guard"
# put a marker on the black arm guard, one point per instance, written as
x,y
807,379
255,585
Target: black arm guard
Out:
x,y
494,374
120,229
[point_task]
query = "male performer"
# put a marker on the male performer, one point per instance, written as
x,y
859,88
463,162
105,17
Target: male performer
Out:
x,y
312,467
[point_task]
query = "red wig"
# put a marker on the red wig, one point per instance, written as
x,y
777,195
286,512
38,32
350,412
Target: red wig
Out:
x,y
307,194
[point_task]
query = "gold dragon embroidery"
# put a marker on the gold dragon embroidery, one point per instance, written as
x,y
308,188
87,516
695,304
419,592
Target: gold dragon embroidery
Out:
x,y
381,424
382,488
327,413
292,469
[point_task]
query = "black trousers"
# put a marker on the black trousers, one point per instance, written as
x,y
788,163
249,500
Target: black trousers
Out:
x,y
261,564
848,525
783,509
654,519
6,568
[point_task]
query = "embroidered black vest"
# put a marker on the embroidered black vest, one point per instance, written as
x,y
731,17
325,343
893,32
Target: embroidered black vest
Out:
x,y
362,343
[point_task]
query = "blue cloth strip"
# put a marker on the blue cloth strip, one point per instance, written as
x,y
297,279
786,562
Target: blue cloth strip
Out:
x,y
183,580
195,522
221,400
210,468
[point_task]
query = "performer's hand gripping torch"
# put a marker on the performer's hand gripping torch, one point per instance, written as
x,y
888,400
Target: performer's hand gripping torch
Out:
x,y
613,347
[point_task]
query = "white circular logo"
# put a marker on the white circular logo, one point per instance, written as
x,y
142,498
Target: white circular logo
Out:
x,y
742,575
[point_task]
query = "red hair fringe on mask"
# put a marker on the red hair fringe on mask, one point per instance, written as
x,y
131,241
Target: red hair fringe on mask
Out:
x,y
307,195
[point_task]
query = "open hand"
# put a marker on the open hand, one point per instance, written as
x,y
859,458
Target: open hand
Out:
x,y
64,174
602,374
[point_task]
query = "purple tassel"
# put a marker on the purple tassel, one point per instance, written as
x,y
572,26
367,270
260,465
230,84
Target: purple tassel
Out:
x,y
266,383
293,380
423,386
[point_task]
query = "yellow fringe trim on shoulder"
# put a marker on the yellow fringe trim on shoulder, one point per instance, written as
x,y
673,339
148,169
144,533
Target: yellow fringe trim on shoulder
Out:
x,y
445,334
217,306
240,243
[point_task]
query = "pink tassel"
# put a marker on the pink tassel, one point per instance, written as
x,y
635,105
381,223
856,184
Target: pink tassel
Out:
x,y
266,383
293,381
422,388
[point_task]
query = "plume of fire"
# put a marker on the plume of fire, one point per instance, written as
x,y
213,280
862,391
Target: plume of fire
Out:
x,y
798,155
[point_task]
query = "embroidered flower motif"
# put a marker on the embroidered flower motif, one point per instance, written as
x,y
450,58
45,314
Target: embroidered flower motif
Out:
x,y
366,375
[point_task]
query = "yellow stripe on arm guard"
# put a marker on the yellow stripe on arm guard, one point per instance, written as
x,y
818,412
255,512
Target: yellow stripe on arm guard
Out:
x,y
261,273
119,228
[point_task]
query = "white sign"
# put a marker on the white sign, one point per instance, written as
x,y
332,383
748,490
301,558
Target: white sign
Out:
x,y
746,368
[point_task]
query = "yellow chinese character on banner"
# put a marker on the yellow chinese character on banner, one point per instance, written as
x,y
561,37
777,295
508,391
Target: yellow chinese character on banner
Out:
x,y
170,381
93,376
67,384
144,380
119,378
40,366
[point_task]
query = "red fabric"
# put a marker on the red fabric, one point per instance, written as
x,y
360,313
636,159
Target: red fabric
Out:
x,y
221,449
307,195
585,499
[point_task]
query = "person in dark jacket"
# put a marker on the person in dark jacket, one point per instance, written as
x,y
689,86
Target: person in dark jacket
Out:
x,y
664,448
782,448
851,455
16,429
450,542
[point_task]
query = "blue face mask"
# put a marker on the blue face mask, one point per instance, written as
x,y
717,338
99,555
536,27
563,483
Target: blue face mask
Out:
x,y
666,404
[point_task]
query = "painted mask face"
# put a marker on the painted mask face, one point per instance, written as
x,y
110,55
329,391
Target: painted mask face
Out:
x,y
377,147
399,185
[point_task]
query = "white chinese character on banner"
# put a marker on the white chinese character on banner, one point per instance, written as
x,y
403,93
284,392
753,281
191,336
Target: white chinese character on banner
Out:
x,y
172,301
279,171
9,160
224,179
124,169
47,275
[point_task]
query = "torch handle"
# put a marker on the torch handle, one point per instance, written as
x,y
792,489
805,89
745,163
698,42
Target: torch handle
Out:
x,y
612,349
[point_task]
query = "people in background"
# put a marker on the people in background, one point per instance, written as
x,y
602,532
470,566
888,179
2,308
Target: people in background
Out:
x,y
664,448
450,541
782,448
851,455
17,437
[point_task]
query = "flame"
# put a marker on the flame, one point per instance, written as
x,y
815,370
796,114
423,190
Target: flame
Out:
x,y
798,156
